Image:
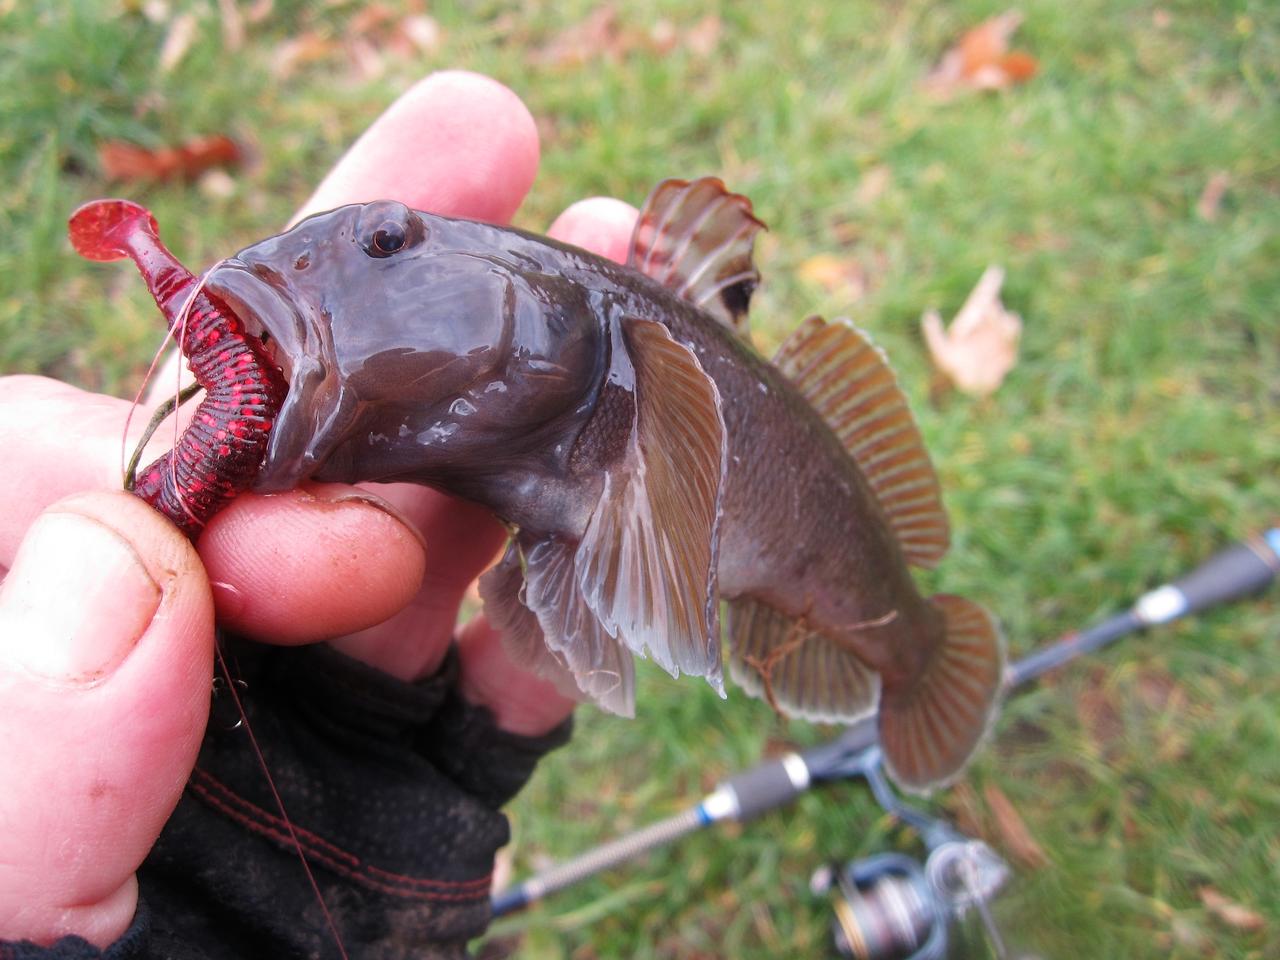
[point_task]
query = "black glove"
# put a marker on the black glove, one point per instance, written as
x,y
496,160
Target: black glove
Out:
x,y
393,791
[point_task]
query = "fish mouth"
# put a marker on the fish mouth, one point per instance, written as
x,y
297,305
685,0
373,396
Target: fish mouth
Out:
x,y
287,326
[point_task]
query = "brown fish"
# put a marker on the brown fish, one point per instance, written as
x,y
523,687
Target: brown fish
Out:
x,y
649,462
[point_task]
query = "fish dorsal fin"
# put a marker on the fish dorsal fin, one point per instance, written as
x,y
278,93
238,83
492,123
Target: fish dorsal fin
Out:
x,y
531,596
848,381
647,561
695,238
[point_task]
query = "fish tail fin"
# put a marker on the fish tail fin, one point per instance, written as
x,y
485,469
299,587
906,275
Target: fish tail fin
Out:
x,y
932,727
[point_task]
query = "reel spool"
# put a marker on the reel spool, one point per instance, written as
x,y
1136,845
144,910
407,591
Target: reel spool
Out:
x,y
889,907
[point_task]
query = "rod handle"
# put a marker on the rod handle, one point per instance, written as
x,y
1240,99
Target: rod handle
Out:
x,y
1240,569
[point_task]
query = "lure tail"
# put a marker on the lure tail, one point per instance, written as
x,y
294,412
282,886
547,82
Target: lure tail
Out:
x,y
931,727
221,451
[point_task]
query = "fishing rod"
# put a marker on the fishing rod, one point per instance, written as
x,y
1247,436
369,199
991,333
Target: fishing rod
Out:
x,y
887,900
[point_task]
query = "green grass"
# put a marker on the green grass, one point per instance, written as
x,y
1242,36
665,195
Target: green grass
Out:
x,y
1137,434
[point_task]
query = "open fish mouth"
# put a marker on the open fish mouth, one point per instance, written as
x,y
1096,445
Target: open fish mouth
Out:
x,y
286,327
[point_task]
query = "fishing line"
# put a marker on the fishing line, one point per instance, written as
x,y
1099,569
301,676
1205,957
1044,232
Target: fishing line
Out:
x,y
279,802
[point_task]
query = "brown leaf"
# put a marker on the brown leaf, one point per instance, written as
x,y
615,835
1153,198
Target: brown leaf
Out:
x,y
369,20
1014,835
981,60
260,10
1233,914
422,31
1210,201
981,346
127,161
837,275
872,185
967,810
603,35
232,25
1096,707
182,33
704,36
599,35
308,47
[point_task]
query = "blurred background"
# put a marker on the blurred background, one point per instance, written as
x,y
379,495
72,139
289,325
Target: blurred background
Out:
x,y
1117,159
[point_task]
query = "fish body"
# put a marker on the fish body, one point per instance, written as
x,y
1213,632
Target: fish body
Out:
x,y
650,463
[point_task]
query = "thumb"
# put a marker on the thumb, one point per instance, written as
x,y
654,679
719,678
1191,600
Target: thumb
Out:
x,y
106,639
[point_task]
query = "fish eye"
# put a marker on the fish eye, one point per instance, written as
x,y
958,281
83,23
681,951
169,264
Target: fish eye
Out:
x,y
385,228
388,238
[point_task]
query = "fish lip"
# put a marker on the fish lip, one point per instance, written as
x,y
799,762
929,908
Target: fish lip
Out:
x,y
265,301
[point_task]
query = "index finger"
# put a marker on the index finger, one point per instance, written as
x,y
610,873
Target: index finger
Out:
x,y
458,144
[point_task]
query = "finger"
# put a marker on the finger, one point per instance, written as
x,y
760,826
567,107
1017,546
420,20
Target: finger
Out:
x,y
602,225
106,639
462,540
58,440
457,144
311,564
520,702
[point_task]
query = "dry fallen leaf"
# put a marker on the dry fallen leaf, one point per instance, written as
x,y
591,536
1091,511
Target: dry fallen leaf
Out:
x,y
604,35
872,185
232,25
967,810
1099,715
1210,201
1014,835
981,346
128,161
704,36
1233,914
837,275
259,11
982,59
182,33
599,35
308,47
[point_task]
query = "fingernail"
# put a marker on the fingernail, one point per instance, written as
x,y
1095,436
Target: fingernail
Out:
x,y
228,600
77,600
349,495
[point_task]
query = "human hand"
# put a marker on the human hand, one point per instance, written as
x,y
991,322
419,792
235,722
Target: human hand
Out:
x,y
106,618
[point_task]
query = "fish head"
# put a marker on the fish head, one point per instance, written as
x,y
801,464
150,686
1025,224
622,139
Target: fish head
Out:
x,y
412,344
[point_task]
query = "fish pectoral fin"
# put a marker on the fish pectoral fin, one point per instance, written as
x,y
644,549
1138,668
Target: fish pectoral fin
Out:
x,y
931,728
800,671
532,599
696,238
647,561
848,381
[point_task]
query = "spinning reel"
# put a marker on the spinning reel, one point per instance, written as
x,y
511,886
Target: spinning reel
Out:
x,y
891,906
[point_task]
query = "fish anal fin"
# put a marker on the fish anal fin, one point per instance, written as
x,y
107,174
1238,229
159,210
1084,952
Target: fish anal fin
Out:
x,y
531,597
848,381
647,562
696,239
800,671
930,729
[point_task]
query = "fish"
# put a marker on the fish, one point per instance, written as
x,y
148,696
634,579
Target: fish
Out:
x,y
651,466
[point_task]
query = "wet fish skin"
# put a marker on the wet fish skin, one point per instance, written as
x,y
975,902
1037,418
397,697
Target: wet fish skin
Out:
x,y
507,368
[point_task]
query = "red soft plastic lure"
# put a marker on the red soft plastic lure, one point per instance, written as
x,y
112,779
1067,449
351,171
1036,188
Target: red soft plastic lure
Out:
x,y
223,447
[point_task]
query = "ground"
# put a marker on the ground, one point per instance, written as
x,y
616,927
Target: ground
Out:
x,y
1136,435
